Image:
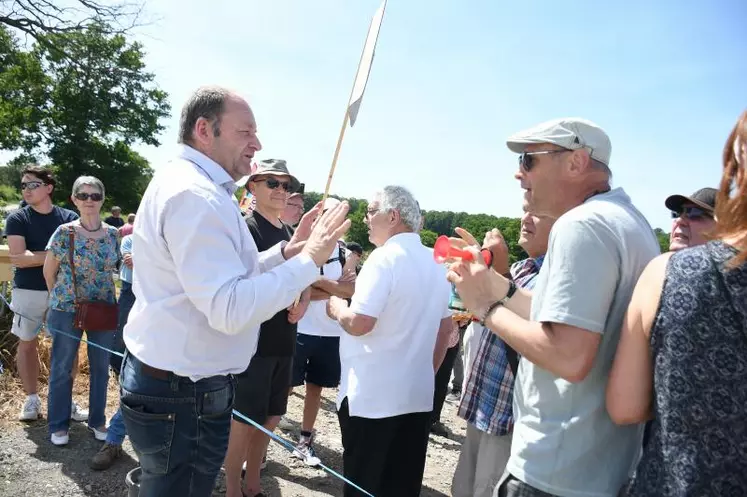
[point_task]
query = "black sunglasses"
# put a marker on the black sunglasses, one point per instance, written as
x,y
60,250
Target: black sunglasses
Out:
x,y
273,184
526,161
692,213
31,185
96,197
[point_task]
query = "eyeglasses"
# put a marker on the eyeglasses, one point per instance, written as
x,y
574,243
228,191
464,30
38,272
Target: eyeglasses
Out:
x,y
371,212
526,160
96,197
273,184
31,185
296,206
693,213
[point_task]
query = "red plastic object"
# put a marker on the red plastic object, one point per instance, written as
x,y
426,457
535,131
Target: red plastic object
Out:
x,y
443,250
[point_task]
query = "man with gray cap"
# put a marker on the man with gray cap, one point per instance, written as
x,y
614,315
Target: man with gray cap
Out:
x,y
566,329
262,389
692,218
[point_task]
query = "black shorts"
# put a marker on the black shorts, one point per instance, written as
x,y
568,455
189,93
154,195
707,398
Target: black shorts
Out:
x,y
262,390
317,361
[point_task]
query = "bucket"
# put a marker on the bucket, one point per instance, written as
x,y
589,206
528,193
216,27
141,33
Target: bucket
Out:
x,y
133,482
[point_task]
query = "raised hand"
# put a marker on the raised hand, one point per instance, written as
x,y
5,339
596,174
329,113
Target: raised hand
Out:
x,y
325,233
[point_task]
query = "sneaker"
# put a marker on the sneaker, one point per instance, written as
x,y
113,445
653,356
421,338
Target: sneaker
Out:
x,y
31,409
98,434
105,457
454,396
305,452
77,413
286,424
60,439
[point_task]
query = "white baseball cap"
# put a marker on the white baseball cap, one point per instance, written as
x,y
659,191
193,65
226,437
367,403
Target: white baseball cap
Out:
x,y
571,133
330,203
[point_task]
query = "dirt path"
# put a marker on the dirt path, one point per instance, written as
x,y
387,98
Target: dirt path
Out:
x,y
31,466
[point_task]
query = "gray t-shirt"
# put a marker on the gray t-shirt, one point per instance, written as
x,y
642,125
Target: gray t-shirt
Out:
x,y
564,441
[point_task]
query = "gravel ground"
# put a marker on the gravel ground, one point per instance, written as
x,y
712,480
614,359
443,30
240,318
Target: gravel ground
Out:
x,y
31,466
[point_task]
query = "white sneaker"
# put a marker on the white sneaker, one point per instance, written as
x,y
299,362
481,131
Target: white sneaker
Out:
x,y
60,439
31,409
98,435
77,413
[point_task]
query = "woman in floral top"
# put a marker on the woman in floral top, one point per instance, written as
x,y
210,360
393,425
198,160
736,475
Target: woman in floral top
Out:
x,y
96,252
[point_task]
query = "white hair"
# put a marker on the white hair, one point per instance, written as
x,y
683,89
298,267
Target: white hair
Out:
x,y
88,181
399,198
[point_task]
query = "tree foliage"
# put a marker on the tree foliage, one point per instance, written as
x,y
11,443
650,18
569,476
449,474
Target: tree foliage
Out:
x,y
663,239
38,18
82,117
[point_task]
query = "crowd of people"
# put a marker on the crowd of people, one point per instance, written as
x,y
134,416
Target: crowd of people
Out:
x,y
596,366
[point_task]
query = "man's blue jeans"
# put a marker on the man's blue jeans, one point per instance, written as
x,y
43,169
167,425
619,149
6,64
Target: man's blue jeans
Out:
x,y
178,428
64,350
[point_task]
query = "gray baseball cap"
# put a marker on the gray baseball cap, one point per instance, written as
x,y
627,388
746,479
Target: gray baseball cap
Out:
x,y
571,133
275,167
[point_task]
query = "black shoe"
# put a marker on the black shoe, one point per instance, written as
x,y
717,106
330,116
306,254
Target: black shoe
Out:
x,y
439,429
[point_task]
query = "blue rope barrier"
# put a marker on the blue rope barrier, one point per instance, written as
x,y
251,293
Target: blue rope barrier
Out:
x,y
288,445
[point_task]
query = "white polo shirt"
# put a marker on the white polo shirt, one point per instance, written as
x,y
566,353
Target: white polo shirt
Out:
x,y
389,371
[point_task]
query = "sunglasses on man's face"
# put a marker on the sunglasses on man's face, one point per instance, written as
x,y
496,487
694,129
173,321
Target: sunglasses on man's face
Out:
x,y
273,184
31,185
526,160
96,197
694,213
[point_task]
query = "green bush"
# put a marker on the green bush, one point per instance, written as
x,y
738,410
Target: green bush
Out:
x,y
9,195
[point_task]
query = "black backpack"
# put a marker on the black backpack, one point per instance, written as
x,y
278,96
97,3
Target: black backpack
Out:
x,y
340,257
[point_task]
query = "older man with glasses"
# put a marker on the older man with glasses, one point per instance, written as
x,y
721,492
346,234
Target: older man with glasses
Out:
x,y
294,208
692,218
567,328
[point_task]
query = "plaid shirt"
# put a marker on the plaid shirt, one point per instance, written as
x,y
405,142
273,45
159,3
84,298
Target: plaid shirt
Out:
x,y
488,398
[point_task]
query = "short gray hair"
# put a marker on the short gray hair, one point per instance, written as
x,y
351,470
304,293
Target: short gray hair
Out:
x,y
208,102
600,166
88,181
399,198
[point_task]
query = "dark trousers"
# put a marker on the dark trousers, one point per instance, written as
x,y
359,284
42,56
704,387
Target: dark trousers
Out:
x,y
385,457
178,428
126,301
442,382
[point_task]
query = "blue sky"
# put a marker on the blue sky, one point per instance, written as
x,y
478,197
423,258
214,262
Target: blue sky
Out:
x,y
451,80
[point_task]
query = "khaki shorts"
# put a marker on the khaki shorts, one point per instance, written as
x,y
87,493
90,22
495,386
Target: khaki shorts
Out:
x,y
29,307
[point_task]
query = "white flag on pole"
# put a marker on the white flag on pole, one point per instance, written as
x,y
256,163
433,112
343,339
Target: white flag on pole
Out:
x,y
364,67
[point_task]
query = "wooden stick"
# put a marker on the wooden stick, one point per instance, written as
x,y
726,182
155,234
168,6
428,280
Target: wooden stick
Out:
x,y
337,154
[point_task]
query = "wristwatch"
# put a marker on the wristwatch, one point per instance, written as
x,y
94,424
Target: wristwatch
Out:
x,y
498,303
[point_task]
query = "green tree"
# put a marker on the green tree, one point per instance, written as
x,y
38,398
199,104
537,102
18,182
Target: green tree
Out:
x,y
87,115
428,237
663,239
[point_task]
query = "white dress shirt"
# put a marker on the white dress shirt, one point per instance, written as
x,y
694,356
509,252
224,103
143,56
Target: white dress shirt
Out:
x,y
200,297
389,371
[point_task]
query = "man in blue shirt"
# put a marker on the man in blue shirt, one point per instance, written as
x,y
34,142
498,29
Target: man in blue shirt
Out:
x,y
28,230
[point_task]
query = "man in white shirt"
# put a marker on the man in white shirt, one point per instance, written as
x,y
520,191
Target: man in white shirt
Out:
x,y
317,357
567,328
202,290
396,334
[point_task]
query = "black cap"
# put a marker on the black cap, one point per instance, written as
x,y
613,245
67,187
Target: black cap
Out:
x,y
704,198
355,247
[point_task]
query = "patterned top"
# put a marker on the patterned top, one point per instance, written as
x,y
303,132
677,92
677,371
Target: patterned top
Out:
x,y
698,444
95,263
488,398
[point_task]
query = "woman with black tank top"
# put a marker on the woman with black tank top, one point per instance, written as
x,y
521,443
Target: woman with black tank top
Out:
x,y
682,356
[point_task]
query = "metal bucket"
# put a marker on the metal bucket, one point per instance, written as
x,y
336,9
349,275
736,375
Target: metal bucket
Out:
x,y
133,482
